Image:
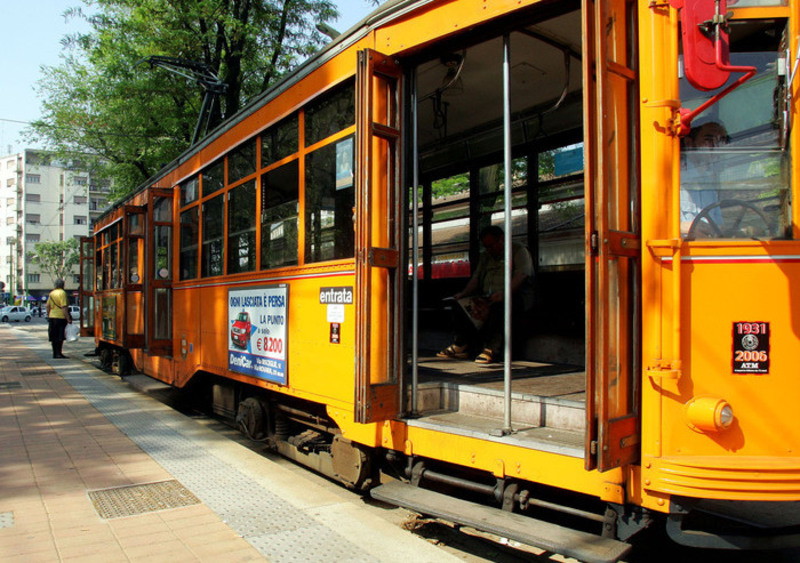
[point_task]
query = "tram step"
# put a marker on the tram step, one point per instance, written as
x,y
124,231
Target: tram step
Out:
x,y
545,535
526,409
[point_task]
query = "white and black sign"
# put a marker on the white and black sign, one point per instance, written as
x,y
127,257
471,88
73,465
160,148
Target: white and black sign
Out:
x,y
336,295
751,347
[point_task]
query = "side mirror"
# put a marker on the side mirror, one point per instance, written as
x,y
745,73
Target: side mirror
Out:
x,y
704,37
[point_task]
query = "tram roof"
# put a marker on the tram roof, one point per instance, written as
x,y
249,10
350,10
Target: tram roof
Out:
x,y
385,12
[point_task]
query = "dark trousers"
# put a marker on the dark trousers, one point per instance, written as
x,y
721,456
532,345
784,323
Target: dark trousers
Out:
x,y
55,333
491,334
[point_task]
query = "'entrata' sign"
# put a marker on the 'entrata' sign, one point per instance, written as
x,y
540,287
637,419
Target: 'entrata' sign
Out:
x,y
336,295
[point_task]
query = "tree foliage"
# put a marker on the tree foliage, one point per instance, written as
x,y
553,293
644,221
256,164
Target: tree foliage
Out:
x,y
56,259
135,119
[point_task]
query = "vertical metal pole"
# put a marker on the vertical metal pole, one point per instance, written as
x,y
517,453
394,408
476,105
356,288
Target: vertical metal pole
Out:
x,y
507,228
415,250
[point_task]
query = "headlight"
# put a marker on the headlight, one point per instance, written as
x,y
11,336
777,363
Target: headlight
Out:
x,y
709,414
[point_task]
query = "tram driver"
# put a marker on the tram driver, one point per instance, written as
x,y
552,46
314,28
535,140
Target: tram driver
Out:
x,y
478,311
700,175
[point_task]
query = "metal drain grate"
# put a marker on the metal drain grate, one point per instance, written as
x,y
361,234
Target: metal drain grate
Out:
x,y
10,385
6,519
140,499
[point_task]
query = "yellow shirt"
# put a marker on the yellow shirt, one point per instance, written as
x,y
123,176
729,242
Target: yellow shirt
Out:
x,y
55,302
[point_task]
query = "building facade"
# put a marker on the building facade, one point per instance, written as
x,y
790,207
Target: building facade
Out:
x,y
42,199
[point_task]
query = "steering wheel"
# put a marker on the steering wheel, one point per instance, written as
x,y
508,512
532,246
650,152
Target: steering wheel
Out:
x,y
705,219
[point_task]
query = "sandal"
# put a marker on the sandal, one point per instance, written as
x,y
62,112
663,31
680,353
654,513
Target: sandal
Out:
x,y
453,351
485,357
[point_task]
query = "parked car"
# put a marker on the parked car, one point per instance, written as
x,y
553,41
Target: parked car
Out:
x,y
15,313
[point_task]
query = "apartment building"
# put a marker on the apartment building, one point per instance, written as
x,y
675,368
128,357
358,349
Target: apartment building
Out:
x,y
42,199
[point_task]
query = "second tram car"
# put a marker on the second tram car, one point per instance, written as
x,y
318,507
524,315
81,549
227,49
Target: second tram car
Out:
x,y
292,266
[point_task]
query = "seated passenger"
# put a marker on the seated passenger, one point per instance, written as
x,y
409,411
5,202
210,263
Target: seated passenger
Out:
x,y
478,312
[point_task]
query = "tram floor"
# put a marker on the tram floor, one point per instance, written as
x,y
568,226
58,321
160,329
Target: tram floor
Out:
x,y
547,402
529,378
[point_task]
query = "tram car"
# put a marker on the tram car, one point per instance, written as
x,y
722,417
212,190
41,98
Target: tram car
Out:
x,y
292,267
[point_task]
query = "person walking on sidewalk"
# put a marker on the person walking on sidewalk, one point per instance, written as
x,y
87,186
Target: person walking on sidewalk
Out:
x,y
57,317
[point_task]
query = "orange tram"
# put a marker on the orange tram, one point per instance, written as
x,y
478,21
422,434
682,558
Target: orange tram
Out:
x,y
290,267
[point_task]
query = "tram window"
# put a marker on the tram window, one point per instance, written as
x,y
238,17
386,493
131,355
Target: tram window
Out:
x,y
329,203
163,252
214,177
98,269
134,275
190,190
760,3
280,141
561,215
87,274
491,180
162,210
560,162
135,224
112,265
163,314
734,169
330,113
279,220
190,227
450,230
242,228
242,162
213,224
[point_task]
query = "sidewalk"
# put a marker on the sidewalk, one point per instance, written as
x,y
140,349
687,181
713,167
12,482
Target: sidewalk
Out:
x,y
92,470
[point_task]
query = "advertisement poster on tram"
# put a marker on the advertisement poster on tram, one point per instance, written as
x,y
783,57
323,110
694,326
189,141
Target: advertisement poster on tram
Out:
x,y
257,332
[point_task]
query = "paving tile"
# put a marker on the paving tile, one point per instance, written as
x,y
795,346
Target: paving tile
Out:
x,y
145,530
87,550
197,530
86,538
164,550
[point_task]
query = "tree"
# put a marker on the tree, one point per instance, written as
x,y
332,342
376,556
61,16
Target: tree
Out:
x,y
56,259
129,120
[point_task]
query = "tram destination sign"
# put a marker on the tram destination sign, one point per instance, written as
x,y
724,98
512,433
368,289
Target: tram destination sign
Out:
x,y
751,347
257,331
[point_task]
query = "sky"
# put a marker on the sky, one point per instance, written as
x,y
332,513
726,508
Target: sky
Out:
x,y
32,37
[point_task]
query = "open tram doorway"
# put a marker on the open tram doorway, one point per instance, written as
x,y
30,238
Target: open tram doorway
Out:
x,y
468,116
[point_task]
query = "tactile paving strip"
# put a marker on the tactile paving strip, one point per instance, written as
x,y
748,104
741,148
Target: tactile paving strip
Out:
x,y
6,519
139,499
279,531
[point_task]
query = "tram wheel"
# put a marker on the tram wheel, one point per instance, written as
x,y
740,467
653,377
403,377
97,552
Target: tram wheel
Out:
x,y
106,359
125,364
251,418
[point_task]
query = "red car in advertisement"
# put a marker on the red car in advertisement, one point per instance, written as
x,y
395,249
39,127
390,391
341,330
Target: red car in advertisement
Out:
x,y
240,331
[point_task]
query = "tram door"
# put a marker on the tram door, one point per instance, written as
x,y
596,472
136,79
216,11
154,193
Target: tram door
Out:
x,y
158,269
612,239
86,291
378,235
132,278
